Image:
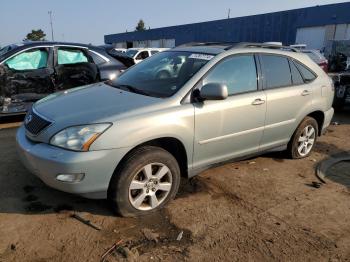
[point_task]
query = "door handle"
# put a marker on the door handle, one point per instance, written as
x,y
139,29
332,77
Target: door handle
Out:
x,y
306,93
258,101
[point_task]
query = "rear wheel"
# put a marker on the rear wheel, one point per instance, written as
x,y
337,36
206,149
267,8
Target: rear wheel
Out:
x,y
303,139
147,180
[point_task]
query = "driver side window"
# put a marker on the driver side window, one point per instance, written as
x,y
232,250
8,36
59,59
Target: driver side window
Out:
x,y
30,60
238,73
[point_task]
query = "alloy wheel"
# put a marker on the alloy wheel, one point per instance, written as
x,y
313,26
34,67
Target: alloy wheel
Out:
x,y
150,186
306,140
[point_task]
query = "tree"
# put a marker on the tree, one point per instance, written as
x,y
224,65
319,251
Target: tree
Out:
x,y
36,35
140,26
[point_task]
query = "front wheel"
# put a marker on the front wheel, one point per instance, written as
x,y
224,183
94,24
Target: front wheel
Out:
x,y
147,180
303,139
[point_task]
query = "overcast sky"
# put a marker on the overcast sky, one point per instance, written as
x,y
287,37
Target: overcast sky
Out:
x,y
87,21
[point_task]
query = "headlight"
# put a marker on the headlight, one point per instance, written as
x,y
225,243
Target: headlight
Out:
x,y
78,138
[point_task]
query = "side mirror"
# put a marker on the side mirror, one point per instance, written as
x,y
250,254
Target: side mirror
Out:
x,y
213,91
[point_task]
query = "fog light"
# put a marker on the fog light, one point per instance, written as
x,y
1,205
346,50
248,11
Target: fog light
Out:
x,y
70,178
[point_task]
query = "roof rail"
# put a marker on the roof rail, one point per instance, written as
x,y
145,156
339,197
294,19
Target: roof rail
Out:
x,y
206,44
232,45
262,45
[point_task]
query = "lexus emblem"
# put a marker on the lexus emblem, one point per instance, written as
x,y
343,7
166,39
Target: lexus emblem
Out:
x,y
28,119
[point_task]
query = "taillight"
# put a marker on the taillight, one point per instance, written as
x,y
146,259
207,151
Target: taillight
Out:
x,y
324,66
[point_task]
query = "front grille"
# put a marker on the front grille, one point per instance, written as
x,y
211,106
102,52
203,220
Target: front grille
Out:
x,y
35,123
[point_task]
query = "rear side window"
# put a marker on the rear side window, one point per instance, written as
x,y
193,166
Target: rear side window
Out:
x,y
154,52
71,56
237,72
276,71
307,74
296,76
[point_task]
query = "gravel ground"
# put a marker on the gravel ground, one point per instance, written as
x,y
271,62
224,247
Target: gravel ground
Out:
x,y
260,209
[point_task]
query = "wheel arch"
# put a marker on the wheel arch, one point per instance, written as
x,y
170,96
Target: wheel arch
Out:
x,y
171,144
319,116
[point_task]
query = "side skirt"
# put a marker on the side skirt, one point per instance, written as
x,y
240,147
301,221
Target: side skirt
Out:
x,y
197,171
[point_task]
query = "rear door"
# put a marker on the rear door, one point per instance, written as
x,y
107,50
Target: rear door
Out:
x,y
288,98
233,127
74,67
27,77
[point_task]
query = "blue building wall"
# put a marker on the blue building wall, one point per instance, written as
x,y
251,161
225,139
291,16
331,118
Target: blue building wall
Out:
x,y
278,26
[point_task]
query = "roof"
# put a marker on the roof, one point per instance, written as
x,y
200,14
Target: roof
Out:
x,y
24,45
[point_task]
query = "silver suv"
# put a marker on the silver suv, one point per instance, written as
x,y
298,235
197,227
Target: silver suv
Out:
x,y
131,139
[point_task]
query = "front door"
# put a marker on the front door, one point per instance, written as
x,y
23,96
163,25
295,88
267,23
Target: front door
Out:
x,y
26,78
233,127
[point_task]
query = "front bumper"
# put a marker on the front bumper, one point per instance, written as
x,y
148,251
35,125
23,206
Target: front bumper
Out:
x,y
46,162
328,115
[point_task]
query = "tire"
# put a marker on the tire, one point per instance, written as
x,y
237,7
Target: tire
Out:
x,y
139,171
295,149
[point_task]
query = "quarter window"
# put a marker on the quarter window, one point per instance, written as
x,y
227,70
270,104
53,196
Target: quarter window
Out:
x,y
97,59
296,76
276,71
307,74
237,72
71,56
29,60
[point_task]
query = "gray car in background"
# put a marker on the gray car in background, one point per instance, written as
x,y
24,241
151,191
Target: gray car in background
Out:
x,y
131,139
30,71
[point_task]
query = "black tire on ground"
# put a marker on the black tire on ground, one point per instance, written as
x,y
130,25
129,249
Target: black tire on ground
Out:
x,y
293,143
118,191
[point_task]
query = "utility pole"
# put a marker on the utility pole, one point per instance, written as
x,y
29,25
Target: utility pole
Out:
x,y
228,15
50,14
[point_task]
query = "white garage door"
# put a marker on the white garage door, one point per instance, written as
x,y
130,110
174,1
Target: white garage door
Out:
x,y
169,43
313,37
155,43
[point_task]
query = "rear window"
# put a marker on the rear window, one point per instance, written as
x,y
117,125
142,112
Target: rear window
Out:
x,y
308,75
276,71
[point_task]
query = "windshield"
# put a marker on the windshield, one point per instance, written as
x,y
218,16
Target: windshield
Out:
x,y
131,53
6,49
163,74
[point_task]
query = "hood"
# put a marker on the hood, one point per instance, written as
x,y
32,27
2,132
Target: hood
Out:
x,y
91,104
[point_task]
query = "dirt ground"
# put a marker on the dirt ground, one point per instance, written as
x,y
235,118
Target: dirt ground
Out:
x,y
260,209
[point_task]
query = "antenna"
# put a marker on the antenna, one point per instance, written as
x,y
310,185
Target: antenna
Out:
x,y
229,12
50,14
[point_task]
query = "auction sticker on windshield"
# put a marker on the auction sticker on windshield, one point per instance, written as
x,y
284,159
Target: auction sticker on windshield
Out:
x,y
201,56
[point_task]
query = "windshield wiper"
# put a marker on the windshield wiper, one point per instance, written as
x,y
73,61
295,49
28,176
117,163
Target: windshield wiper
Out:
x,y
131,89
